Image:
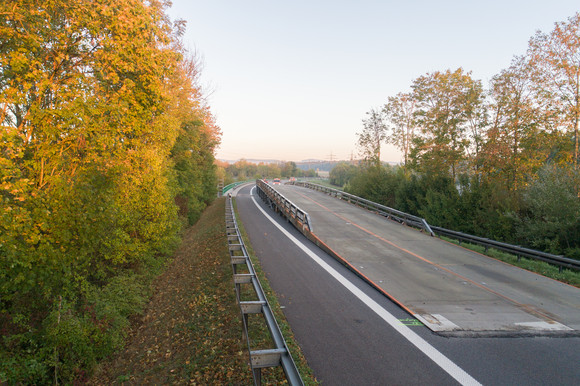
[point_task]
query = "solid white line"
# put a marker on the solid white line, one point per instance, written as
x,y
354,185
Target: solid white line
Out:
x,y
441,360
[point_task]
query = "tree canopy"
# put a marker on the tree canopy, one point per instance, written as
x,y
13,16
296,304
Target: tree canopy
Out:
x,y
103,129
500,162
372,136
450,124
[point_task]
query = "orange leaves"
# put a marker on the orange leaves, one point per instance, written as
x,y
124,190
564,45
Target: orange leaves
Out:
x,y
554,60
87,122
94,98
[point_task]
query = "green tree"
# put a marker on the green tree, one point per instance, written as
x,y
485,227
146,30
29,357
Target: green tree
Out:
x,y
485,208
400,116
377,184
447,105
551,216
373,134
342,173
195,169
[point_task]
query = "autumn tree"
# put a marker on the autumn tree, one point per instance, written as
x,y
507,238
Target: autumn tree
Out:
x,y
198,136
97,112
372,136
400,121
515,147
555,64
447,105
289,169
501,163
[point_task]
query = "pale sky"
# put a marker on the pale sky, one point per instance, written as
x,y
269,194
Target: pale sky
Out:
x,y
292,80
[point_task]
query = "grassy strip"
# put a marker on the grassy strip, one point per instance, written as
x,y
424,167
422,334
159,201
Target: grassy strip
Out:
x,y
566,276
263,335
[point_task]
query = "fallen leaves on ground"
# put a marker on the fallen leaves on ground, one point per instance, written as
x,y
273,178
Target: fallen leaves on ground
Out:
x,y
190,332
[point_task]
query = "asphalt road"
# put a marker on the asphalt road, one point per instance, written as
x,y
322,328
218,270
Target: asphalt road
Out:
x,y
346,328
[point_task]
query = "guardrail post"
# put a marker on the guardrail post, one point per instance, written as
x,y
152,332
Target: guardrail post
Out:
x,y
257,374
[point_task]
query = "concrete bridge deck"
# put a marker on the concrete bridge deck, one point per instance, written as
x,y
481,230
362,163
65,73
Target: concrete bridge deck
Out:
x,y
448,288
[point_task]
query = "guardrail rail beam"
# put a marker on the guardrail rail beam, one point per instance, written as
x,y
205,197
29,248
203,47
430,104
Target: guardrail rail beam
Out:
x,y
279,355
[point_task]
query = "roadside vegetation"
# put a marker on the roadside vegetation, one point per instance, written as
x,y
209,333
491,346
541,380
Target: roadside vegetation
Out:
x,y
549,270
191,330
106,153
543,215
552,271
500,162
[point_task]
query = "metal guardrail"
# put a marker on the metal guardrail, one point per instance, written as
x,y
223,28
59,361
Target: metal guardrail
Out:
x,y
401,217
232,186
390,213
561,261
294,214
240,260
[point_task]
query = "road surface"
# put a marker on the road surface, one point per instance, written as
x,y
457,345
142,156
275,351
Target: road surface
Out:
x,y
351,334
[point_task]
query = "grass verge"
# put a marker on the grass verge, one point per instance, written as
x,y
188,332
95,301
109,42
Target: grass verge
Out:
x,y
566,276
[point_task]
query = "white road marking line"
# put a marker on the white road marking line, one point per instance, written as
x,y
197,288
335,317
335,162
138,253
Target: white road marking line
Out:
x,y
441,360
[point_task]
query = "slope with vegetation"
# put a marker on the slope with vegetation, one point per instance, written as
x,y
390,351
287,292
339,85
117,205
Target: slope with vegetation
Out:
x,y
106,151
190,331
